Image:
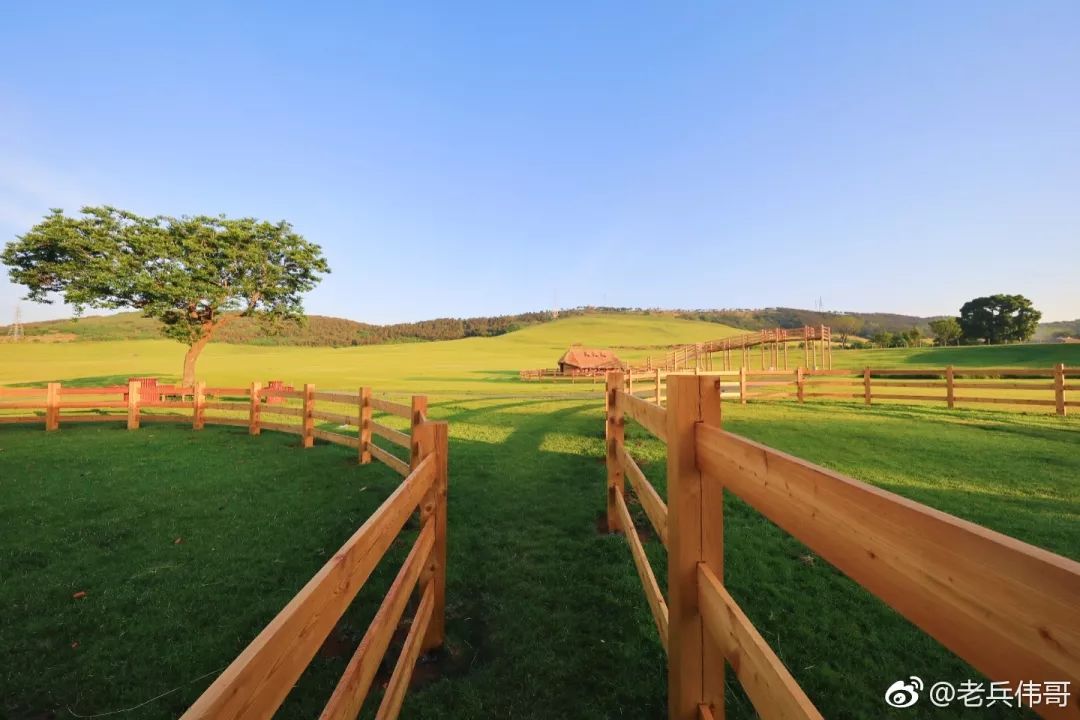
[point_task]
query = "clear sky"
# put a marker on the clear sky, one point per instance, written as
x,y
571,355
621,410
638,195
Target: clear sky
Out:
x,y
458,158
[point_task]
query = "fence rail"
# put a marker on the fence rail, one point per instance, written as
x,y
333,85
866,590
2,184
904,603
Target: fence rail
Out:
x,y
1030,387
1004,606
347,417
256,683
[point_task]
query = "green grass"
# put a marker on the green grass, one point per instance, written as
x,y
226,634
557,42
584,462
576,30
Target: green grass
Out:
x,y
995,356
546,617
473,365
455,366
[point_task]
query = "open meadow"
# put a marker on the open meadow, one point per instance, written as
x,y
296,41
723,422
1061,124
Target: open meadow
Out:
x,y
186,544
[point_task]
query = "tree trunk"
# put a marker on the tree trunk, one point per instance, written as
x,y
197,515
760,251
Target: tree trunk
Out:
x,y
192,356
196,348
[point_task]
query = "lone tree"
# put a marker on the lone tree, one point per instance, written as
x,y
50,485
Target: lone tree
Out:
x,y
846,325
945,330
999,319
194,274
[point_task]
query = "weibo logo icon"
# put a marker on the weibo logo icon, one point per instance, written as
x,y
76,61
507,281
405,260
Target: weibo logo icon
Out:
x,y
904,694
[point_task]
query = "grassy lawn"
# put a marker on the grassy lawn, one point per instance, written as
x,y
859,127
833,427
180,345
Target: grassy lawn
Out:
x,y
472,365
996,356
540,604
546,617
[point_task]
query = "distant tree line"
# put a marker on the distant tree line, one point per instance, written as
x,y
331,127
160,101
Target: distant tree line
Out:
x,y
338,332
990,320
851,329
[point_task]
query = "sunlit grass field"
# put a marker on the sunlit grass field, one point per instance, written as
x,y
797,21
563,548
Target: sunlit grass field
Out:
x,y
546,615
470,365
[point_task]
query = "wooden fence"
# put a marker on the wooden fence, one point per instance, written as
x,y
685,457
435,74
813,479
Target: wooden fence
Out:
x,y
1027,387
1006,607
258,680
256,683
311,414
770,347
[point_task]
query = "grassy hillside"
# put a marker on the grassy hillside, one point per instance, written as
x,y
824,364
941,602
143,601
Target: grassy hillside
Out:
x,y
321,330
317,330
468,365
641,332
472,364
1040,356
1047,330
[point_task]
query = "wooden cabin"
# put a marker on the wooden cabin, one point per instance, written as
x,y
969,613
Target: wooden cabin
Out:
x,y
585,361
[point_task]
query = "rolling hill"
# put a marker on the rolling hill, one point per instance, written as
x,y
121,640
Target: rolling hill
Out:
x,y
324,331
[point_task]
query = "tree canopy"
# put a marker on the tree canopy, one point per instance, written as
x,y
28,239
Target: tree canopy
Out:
x,y
192,273
945,330
999,319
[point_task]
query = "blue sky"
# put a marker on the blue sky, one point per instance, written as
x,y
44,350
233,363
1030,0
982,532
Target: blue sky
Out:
x,y
487,158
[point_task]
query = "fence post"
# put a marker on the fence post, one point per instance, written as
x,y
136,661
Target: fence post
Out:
x,y
416,418
629,381
742,386
253,410
695,535
52,406
1059,388
133,405
800,383
866,385
950,392
613,433
365,425
198,409
309,417
433,438
658,386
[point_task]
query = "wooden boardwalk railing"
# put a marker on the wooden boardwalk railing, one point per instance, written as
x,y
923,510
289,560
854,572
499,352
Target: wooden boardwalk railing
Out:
x,y
1006,607
733,352
327,416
